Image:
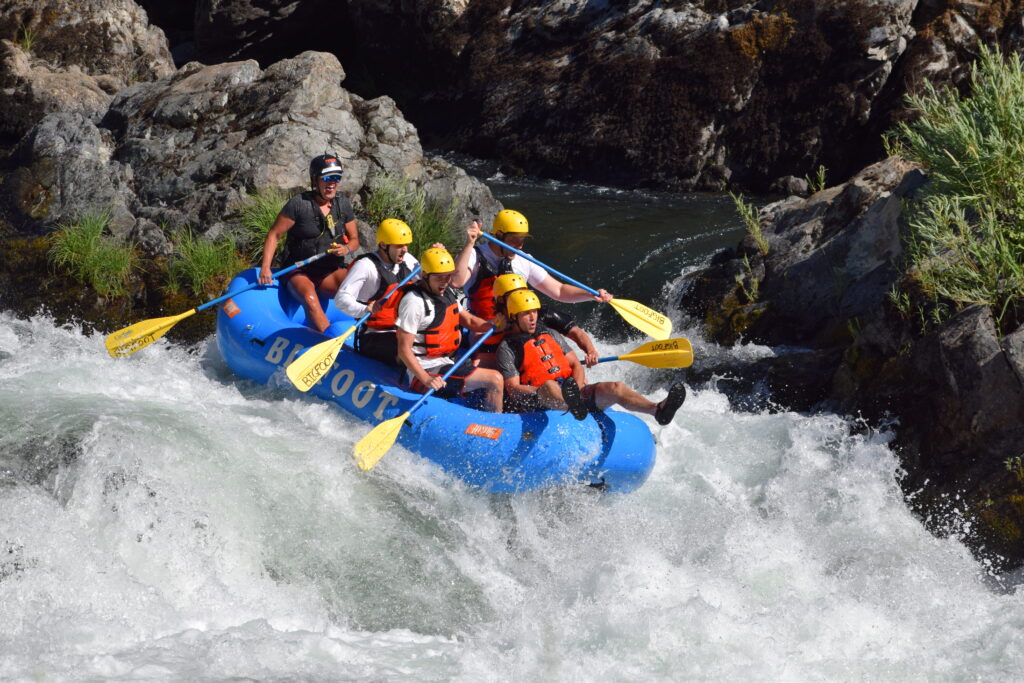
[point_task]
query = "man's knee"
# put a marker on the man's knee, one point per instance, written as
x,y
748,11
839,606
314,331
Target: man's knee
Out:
x,y
614,388
491,379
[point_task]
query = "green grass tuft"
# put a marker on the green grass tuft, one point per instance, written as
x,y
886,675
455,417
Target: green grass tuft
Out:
x,y
92,257
749,213
397,197
965,237
26,38
818,181
206,266
259,212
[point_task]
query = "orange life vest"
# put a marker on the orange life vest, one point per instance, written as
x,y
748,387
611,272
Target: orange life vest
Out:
x,y
384,319
442,335
543,359
481,290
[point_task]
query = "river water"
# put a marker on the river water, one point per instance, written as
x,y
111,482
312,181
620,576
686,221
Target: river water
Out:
x,y
162,520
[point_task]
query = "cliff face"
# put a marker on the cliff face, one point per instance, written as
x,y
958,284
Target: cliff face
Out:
x,y
677,94
956,392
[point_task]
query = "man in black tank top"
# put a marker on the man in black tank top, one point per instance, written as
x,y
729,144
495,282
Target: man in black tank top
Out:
x,y
314,222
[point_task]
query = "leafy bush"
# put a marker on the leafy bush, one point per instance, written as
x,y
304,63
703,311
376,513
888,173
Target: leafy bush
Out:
x,y
259,212
965,239
398,197
92,257
206,266
749,213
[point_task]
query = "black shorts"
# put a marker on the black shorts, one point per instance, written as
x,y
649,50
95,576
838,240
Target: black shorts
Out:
x,y
528,403
454,385
380,346
315,272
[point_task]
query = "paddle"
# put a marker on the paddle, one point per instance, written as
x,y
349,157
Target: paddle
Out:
x,y
374,445
307,369
647,320
670,353
130,339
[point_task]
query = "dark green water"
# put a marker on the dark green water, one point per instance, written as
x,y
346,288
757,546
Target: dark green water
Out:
x,y
634,244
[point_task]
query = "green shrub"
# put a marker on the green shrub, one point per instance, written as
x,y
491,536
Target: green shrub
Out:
x,y
93,257
259,212
206,266
748,212
26,38
818,181
965,236
398,197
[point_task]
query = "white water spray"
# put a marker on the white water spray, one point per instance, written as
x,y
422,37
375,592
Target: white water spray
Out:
x,y
160,519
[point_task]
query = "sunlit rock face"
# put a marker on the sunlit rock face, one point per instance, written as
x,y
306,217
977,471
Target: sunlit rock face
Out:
x,y
57,59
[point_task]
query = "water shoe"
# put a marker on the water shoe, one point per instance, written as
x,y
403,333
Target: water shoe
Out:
x,y
572,397
668,407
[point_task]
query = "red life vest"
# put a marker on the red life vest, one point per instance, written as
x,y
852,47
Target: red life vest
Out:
x,y
481,290
543,359
442,335
384,319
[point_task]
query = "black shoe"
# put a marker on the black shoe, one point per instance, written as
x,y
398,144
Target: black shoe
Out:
x,y
573,398
668,407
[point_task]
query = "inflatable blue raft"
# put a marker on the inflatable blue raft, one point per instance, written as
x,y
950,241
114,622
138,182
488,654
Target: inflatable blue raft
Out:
x,y
260,331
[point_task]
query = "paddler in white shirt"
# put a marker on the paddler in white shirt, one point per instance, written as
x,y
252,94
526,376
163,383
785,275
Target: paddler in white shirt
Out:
x,y
370,279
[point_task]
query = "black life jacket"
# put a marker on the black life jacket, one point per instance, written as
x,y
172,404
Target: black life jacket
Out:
x,y
384,319
309,238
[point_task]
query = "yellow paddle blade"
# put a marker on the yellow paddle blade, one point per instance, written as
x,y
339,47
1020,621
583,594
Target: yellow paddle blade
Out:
x,y
648,321
307,369
127,341
670,353
374,445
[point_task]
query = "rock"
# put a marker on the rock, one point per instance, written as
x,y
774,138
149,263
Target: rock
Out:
x,y
53,60
789,185
150,239
30,93
67,169
266,30
183,150
957,392
391,142
832,259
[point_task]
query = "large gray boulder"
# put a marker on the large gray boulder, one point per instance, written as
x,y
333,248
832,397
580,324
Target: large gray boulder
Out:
x,y
185,149
53,59
830,263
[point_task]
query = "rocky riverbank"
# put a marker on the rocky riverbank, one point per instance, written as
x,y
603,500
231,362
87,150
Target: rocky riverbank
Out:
x,y
821,291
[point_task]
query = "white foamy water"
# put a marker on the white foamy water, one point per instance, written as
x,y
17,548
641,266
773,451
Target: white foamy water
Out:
x,y
160,519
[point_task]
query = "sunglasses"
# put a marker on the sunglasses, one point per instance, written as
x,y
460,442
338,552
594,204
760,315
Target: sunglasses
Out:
x,y
331,178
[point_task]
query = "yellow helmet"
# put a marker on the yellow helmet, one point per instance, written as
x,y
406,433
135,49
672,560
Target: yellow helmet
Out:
x,y
393,231
503,284
436,260
509,221
522,300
